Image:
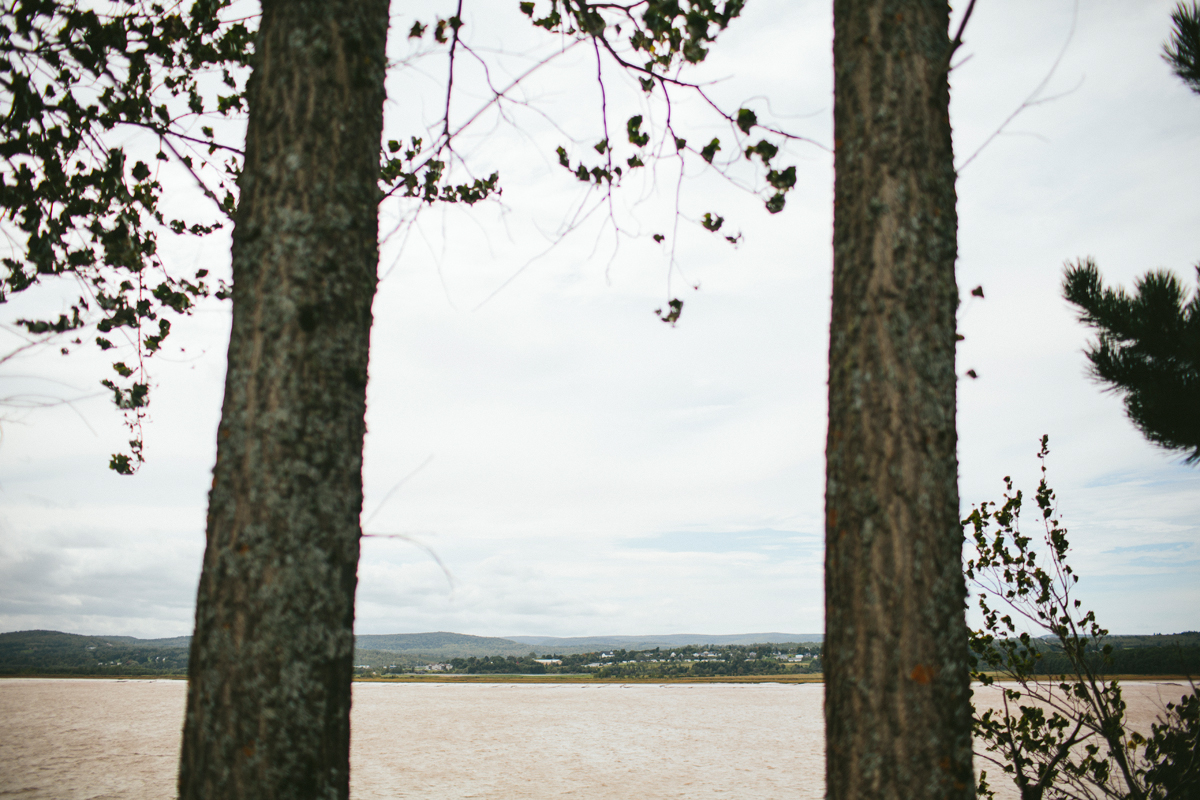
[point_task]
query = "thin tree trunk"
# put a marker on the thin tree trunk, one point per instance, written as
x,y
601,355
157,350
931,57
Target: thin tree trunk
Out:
x,y
268,711
897,688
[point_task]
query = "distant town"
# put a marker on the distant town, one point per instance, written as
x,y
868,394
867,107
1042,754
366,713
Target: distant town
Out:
x,y
417,655
680,662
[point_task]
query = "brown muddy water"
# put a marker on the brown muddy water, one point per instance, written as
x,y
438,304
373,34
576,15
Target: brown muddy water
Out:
x,y
99,739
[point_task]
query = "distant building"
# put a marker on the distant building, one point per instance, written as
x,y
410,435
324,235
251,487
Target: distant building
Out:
x,y
547,661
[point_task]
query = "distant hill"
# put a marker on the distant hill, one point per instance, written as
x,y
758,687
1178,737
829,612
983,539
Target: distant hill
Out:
x,y
384,658
57,653
174,641
54,652
441,644
1157,654
586,644
445,645
1185,639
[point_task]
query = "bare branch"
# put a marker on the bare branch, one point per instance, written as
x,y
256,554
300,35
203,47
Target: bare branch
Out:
x,y
450,72
417,543
1033,99
395,489
958,40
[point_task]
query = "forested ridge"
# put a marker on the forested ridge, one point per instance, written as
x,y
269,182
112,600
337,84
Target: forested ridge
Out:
x,y
1174,654
705,661
58,653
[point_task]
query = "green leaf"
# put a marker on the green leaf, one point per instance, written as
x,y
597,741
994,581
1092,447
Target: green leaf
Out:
x,y
550,21
634,128
764,150
746,119
675,308
710,150
782,180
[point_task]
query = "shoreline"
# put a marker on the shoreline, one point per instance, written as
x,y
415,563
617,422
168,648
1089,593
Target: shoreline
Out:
x,y
566,679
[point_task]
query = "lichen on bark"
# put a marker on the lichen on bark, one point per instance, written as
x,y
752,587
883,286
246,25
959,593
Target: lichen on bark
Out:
x,y
896,671
268,712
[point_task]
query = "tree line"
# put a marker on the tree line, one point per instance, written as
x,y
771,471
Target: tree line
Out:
x,y
691,661
54,653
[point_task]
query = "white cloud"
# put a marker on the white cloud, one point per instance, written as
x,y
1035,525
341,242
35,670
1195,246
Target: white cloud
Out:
x,y
577,441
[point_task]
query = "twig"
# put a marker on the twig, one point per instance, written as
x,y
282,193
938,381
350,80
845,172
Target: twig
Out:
x,y
203,187
1032,100
417,543
572,226
395,489
958,40
450,77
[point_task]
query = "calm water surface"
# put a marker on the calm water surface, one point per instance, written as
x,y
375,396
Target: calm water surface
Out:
x,y
99,739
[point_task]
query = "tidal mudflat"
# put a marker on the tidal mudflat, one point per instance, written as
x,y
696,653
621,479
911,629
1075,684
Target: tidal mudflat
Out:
x,y
96,739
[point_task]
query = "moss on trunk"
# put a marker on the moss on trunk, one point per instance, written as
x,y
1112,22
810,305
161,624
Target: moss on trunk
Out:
x,y
268,712
897,693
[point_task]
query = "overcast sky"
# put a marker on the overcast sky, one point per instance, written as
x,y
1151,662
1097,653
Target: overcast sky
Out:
x,y
581,468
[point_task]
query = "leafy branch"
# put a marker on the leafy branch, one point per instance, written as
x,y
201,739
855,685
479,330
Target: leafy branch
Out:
x,y
1059,736
652,40
73,202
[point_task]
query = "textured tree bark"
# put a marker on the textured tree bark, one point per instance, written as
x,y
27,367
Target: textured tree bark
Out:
x,y
268,711
897,694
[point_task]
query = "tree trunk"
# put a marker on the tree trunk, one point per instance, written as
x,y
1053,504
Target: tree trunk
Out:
x,y
897,693
268,711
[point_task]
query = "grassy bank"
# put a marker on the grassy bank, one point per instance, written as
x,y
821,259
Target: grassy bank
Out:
x,y
451,678
501,678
